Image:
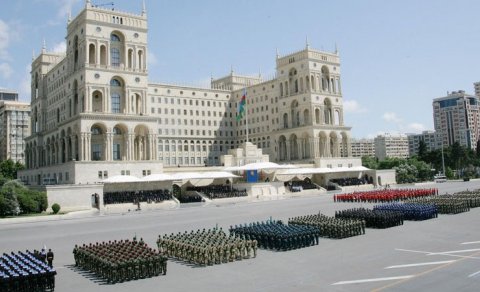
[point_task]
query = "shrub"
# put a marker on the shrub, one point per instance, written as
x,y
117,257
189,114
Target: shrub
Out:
x,y
55,208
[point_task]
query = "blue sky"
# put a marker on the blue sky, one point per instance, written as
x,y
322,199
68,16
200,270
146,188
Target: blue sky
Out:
x,y
396,56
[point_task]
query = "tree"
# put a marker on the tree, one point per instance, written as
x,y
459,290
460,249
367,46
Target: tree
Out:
x,y
8,168
422,150
9,203
369,162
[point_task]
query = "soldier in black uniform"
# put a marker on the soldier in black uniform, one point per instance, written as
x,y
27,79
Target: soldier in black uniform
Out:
x,y
50,257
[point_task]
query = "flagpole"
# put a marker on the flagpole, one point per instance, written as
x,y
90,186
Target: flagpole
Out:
x,y
246,112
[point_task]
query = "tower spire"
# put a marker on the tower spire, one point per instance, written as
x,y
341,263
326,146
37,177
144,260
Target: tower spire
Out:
x,y
69,16
276,51
144,8
44,47
88,3
33,54
336,48
307,46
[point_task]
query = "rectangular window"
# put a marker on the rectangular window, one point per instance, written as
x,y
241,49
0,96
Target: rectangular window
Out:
x,y
115,57
192,160
100,174
105,174
116,151
115,103
96,152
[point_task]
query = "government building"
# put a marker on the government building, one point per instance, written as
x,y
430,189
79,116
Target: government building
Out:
x,y
94,113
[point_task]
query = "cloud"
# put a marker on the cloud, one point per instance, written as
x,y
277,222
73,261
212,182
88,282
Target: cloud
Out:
x,y
4,40
391,117
60,47
65,7
352,106
415,128
151,58
5,70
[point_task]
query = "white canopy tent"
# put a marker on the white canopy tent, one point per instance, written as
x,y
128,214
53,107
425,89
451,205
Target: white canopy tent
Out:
x,y
122,179
304,171
202,175
259,166
158,177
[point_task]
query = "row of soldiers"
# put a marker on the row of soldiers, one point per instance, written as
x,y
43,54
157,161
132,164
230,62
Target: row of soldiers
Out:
x,y
373,218
25,272
411,211
386,195
278,236
120,261
331,227
206,247
149,196
445,204
472,197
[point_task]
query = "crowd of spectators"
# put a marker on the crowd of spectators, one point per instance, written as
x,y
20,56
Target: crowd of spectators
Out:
x,y
300,185
184,198
349,181
219,191
134,197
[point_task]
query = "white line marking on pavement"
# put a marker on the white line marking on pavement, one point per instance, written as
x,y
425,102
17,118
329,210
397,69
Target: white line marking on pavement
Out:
x,y
432,253
420,264
455,251
474,274
373,280
471,242
409,250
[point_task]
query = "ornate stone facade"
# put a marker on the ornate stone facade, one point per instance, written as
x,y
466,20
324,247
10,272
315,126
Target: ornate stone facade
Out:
x,y
95,104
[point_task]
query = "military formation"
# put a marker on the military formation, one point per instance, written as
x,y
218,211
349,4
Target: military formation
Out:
x,y
373,218
206,247
124,197
331,227
385,195
25,272
120,261
125,260
411,211
276,235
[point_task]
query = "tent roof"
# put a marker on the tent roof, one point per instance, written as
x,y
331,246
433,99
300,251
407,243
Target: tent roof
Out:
x,y
121,179
202,175
158,177
322,170
259,165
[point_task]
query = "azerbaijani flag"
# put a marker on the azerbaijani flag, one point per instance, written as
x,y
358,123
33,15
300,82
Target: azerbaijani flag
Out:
x,y
241,105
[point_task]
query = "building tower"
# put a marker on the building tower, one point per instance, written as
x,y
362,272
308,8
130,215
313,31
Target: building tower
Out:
x,y
90,104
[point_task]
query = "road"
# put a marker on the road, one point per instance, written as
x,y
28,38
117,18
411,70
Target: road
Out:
x,y
441,254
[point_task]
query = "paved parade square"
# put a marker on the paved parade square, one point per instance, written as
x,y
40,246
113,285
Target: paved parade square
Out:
x,y
440,254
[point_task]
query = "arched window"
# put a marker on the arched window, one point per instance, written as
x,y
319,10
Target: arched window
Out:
x,y
117,131
115,50
114,38
91,54
103,55
140,59
285,121
96,130
116,95
115,82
